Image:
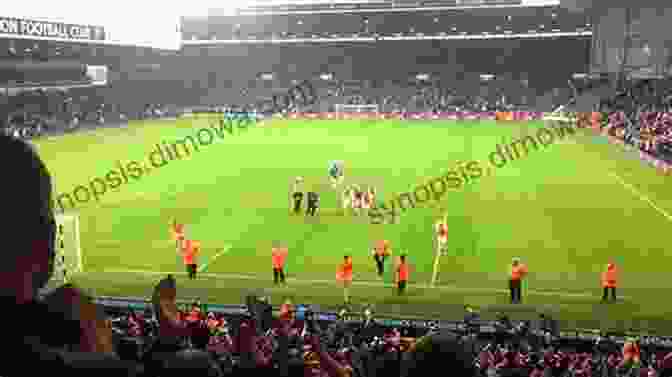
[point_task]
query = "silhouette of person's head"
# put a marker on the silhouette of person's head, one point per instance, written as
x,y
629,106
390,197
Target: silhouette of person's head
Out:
x,y
28,229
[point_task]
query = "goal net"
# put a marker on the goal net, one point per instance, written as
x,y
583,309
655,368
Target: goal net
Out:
x,y
560,117
67,249
350,109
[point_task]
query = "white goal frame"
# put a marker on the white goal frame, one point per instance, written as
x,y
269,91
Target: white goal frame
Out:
x,y
67,247
356,109
435,267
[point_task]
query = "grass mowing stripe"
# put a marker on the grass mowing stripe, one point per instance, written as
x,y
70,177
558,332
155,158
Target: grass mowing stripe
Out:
x,y
379,284
641,196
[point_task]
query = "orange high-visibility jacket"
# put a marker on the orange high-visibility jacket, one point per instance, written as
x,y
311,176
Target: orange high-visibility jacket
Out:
x,y
609,277
279,256
518,272
402,272
189,251
344,272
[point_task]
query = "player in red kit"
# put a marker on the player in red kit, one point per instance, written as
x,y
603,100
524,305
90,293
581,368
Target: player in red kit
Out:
x,y
357,200
367,199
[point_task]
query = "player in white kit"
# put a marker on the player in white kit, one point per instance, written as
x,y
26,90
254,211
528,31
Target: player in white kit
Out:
x,y
336,173
347,197
441,229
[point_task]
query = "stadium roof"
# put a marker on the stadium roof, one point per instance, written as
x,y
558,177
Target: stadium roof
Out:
x,y
266,7
453,24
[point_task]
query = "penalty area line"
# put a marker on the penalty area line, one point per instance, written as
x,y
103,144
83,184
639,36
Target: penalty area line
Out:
x,y
372,284
641,196
214,257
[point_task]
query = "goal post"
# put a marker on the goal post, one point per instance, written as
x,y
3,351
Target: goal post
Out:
x,y
435,268
356,109
67,248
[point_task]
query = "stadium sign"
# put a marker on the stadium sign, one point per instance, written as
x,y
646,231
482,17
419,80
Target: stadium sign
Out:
x,y
47,29
104,24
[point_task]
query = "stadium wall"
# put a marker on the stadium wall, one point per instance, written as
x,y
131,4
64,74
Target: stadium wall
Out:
x,y
632,39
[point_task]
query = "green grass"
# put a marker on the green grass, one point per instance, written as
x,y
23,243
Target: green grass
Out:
x,y
561,209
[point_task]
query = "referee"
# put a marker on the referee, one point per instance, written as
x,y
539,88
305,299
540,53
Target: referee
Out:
x,y
313,203
381,250
297,194
517,273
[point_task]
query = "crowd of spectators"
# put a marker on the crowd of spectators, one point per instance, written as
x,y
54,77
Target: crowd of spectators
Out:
x,y
639,115
39,112
426,96
36,112
292,345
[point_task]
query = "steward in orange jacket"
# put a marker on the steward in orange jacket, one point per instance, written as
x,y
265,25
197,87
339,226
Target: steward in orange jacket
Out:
x,y
190,250
279,256
402,275
344,276
517,273
609,282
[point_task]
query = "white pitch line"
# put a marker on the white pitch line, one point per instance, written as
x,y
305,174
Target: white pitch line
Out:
x,y
641,196
212,259
374,284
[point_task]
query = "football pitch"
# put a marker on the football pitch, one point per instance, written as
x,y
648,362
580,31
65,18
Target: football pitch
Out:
x,y
566,210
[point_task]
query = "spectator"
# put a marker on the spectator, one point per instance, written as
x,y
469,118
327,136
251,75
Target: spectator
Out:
x,y
27,265
192,362
443,351
171,328
200,337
